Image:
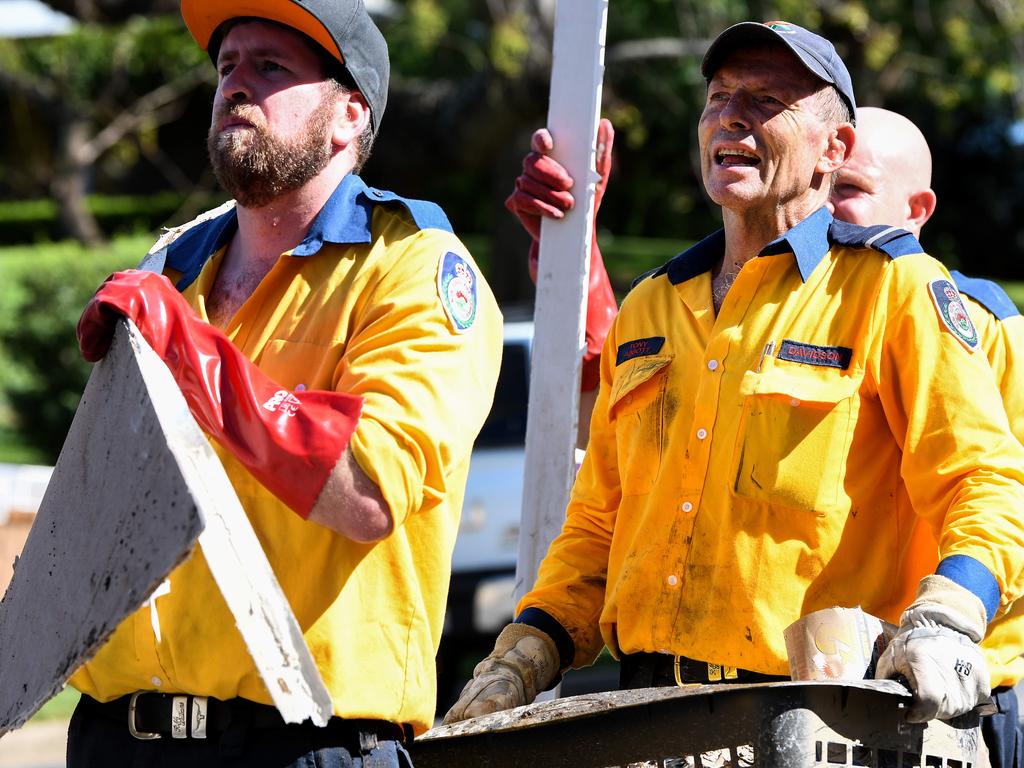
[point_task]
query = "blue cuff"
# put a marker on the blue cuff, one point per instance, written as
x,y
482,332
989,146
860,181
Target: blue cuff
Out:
x,y
973,576
543,621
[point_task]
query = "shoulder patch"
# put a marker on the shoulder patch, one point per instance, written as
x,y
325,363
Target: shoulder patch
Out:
x,y
426,214
952,313
457,289
987,293
892,241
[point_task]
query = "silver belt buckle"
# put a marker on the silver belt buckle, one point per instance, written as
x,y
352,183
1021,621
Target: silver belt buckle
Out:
x,y
141,735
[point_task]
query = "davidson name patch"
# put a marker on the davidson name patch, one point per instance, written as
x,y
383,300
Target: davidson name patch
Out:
x,y
812,354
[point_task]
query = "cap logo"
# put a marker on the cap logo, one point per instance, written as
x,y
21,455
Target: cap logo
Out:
x,y
782,27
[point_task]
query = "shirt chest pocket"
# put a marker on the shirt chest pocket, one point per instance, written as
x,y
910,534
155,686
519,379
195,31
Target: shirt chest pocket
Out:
x,y
793,438
637,409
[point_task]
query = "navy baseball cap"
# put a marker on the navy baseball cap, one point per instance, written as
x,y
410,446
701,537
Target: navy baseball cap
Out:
x,y
342,27
816,53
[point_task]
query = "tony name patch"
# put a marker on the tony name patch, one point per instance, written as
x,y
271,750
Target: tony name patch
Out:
x,y
639,348
812,354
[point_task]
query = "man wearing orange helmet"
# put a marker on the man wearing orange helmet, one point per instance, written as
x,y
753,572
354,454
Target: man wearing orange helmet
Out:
x,y
338,344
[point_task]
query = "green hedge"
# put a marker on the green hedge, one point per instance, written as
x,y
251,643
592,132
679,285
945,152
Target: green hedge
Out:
x,y
42,291
35,221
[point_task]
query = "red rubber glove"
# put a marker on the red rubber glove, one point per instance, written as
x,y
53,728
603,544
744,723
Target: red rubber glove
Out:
x,y
543,190
289,441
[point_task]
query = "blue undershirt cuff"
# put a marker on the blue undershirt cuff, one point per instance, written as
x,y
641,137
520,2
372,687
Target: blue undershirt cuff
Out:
x,y
543,621
972,575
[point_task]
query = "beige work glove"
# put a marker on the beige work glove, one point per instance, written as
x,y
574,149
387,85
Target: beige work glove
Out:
x,y
524,661
936,649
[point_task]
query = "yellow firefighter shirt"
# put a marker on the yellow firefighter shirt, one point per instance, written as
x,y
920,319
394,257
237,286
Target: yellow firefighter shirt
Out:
x,y
1001,329
382,301
786,455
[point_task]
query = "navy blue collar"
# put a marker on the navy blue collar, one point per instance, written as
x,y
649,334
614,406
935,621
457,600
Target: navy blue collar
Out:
x,y
345,219
347,216
808,241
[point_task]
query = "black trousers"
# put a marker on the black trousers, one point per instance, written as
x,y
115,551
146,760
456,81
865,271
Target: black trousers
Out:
x,y
1002,731
95,740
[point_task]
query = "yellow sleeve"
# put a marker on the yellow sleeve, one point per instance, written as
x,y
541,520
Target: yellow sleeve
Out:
x,y
962,466
1006,354
571,581
427,384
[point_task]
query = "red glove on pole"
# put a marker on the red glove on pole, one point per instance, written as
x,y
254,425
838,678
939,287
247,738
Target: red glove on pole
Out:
x,y
289,441
543,190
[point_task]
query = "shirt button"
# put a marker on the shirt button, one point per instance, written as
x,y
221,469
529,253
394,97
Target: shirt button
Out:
x,y
702,433
672,580
712,365
794,402
687,506
156,681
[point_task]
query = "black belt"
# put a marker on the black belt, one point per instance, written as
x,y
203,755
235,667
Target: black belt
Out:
x,y
652,670
152,715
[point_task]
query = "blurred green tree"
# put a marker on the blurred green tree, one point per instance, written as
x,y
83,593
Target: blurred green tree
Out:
x,y
100,92
470,84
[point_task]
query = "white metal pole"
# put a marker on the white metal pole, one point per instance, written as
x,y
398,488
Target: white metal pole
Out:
x,y
559,316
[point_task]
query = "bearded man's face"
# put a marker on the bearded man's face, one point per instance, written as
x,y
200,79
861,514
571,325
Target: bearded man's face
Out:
x,y
255,165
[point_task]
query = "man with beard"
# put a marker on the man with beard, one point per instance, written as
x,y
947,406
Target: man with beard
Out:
x,y
786,411
338,344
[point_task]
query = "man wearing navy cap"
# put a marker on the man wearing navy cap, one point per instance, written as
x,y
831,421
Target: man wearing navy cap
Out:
x,y
786,412
340,347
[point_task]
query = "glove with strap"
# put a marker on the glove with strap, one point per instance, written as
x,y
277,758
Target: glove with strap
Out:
x,y
543,190
289,441
523,663
936,649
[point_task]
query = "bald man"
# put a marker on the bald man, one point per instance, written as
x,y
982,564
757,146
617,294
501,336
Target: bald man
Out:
x,y
888,177
888,180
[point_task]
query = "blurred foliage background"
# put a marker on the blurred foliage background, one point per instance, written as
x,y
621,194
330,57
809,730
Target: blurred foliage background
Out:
x,y
105,128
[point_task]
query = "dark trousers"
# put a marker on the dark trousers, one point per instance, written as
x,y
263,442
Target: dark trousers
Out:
x,y
1002,731
97,741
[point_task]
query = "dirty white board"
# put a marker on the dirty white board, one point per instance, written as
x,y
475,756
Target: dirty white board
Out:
x,y
562,277
135,486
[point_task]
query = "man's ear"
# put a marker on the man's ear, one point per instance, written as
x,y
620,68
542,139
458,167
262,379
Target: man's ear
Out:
x,y
351,118
920,207
839,148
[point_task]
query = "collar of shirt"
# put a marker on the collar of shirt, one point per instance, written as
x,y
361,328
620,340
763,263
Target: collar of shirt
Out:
x,y
808,241
345,219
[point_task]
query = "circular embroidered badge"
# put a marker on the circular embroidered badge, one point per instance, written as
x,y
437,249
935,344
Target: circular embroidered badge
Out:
x,y
456,287
953,313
